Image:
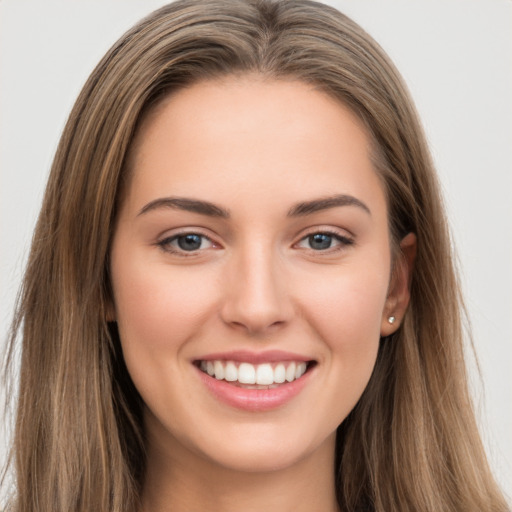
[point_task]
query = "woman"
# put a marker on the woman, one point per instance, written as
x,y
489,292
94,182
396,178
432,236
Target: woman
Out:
x,y
240,278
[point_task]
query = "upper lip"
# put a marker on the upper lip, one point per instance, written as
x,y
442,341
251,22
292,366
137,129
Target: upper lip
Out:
x,y
247,356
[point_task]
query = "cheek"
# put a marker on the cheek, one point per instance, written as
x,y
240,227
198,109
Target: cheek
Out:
x,y
158,310
348,304
346,312
157,307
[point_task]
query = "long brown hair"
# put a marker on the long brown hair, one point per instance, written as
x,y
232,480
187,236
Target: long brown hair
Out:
x,y
411,443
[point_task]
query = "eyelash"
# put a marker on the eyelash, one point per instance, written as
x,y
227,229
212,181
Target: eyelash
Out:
x,y
344,241
166,246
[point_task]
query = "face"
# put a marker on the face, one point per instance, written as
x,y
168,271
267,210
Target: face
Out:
x,y
251,271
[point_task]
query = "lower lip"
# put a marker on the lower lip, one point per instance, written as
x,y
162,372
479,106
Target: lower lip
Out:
x,y
254,399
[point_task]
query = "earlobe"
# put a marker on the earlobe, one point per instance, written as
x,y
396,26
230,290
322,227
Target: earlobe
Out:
x,y
399,287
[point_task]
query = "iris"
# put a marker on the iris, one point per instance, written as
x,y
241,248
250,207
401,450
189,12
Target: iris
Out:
x,y
320,241
189,242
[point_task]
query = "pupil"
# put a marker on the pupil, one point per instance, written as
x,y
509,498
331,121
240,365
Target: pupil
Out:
x,y
320,241
189,242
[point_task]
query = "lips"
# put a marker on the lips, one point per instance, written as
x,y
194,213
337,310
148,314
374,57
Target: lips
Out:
x,y
255,382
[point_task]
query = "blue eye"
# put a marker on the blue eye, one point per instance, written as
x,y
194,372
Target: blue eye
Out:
x,y
187,242
323,241
190,242
320,241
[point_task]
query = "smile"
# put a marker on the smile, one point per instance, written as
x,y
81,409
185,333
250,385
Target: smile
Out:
x,y
269,381
254,376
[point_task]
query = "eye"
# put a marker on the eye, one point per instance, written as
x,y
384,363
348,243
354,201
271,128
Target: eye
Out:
x,y
323,241
186,242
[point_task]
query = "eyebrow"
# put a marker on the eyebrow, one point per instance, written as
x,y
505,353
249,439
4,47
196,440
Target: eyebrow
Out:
x,y
316,205
189,205
212,210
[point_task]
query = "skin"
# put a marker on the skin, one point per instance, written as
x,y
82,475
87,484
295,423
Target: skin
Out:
x,y
255,148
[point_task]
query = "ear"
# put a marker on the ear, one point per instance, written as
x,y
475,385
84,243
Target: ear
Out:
x,y
399,286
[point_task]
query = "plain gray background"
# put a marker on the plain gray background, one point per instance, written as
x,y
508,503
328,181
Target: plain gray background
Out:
x,y
455,55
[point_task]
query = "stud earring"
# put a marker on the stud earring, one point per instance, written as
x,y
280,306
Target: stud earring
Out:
x,y
391,319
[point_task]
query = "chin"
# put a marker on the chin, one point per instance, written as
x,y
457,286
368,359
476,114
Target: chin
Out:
x,y
265,449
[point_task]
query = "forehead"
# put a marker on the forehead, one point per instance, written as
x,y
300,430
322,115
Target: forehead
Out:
x,y
247,103
246,134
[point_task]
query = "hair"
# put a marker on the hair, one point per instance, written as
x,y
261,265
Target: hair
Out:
x,y
411,442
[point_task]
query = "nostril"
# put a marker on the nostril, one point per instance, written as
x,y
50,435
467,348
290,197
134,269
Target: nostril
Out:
x,y
254,326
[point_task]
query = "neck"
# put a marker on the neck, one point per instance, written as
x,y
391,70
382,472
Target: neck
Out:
x,y
181,481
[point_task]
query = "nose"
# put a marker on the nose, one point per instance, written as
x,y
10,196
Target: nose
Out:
x,y
256,298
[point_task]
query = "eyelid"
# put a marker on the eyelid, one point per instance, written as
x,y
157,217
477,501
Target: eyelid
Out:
x,y
344,238
164,241
328,230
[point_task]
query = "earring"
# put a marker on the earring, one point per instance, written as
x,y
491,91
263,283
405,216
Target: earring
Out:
x,y
391,319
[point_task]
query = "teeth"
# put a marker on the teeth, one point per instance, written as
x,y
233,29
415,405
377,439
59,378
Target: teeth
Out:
x,y
264,374
290,373
246,374
231,373
219,370
300,369
279,373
